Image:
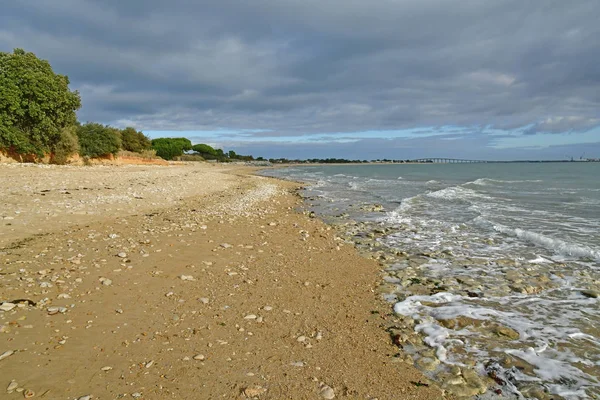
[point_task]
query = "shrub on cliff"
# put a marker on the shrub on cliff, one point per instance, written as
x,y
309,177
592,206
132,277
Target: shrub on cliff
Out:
x,y
169,148
135,141
97,140
66,146
35,104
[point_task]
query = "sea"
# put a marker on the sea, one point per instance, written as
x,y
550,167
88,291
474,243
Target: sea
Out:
x,y
498,264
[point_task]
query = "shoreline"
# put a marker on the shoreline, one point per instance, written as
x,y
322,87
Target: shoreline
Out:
x,y
228,292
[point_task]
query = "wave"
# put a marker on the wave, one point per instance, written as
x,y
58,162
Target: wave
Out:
x,y
556,245
490,181
456,193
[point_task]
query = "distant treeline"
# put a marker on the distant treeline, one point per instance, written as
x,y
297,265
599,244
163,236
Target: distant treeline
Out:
x,y
333,161
182,149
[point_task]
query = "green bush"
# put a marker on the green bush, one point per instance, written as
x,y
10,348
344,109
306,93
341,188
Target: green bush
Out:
x,y
35,104
67,145
168,148
135,141
189,157
97,140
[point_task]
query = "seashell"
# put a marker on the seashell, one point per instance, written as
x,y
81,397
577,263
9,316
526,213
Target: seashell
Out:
x,y
28,393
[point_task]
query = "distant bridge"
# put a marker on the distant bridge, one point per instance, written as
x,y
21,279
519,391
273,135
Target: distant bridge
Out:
x,y
447,161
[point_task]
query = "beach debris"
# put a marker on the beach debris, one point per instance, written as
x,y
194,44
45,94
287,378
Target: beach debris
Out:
x,y
199,357
326,392
28,393
226,245
250,316
149,364
254,391
6,354
86,397
187,278
107,368
204,300
122,254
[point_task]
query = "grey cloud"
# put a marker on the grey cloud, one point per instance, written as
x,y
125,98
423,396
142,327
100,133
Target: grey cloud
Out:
x,y
312,66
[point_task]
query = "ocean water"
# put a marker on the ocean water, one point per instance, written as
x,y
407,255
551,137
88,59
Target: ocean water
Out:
x,y
498,265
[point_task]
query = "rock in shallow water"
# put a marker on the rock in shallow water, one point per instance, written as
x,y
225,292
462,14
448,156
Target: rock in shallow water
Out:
x,y
590,293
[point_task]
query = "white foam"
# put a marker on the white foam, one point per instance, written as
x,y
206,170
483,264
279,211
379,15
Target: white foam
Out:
x,y
556,245
456,192
435,337
554,367
488,181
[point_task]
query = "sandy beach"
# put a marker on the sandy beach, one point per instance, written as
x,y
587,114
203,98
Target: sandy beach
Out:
x,y
190,281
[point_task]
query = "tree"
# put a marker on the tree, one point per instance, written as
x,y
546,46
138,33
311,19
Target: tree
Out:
x,y
204,149
168,148
135,141
35,103
97,140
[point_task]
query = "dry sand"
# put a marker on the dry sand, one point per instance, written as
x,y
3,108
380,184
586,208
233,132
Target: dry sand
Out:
x,y
184,282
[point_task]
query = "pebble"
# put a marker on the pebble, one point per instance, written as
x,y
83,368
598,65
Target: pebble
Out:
x,y
106,281
326,392
149,364
106,369
86,397
267,308
250,316
55,310
7,306
6,354
254,391
301,339
204,300
590,293
199,357
12,386
187,278
122,255
226,245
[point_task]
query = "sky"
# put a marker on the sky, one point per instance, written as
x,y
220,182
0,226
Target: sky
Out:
x,y
359,79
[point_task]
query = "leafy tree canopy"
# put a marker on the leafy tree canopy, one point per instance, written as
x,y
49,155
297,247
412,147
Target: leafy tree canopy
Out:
x,y
204,149
97,140
35,103
135,141
168,148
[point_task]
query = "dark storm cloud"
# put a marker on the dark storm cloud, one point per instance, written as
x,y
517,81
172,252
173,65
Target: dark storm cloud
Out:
x,y
317,66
